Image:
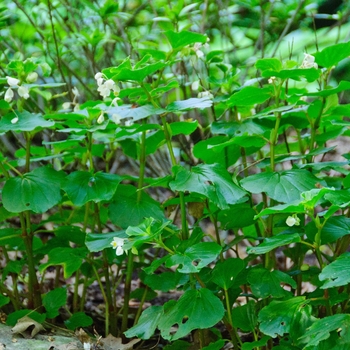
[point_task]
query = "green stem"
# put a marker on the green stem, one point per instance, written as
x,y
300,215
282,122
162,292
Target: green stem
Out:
x,y
233,331
108,293
34,293
104,298
142,302
142,165
127,291
28,142
185,232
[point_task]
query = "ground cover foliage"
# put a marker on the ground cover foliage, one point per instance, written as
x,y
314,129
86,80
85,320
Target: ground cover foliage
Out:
x,y
182,148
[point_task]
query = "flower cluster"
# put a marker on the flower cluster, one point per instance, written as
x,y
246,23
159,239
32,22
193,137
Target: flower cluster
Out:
x,y
293,220
23,91
309,61
105,86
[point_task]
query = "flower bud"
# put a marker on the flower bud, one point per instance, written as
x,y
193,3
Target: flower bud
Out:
x,y
32,77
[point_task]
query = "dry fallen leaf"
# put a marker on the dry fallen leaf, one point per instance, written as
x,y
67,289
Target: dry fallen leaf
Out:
x,y
70,346
27,327
82,336
113,343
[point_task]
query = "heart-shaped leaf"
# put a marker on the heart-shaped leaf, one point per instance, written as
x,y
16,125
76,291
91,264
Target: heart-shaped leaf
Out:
x,y
283,186
195,257
337,273
201,308
26,122
277,318
38,191
211,180
83,187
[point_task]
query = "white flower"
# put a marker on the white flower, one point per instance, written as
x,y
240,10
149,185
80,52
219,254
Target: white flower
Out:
x,y
195,85
104,90
23,91
309,61
100,119
199,53
66,105
196,48
205,94
129,122
14,120
293,220
76,107
32,77
9,95
98,75
75,92
109,84
13,82
272,80
117,244
87,346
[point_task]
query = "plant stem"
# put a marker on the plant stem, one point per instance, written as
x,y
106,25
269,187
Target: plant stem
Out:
x,y
34,293
104,298
233,332
127,291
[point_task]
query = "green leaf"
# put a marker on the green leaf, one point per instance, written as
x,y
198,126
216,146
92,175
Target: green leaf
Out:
x,y
53,300
277,318
218,345
138,113
16,315
256,344
184,38
4,300
343,85
201,308
195,257
245,317
210,180
96,242
70,259
164,282
224,156
320,330
249,96
332,55
185,128
224,273
283,209
274,242
26,122
79,319
285,186
335,228
123,73
83,187
191,103
239,215
265,283
310,74
30,192
147,323
337,273
268,64
129,210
